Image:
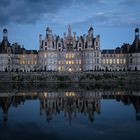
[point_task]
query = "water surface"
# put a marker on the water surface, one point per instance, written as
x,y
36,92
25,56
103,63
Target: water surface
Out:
x,y
68,113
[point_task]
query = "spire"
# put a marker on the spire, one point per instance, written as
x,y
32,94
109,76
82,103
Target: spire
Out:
x,y
69,32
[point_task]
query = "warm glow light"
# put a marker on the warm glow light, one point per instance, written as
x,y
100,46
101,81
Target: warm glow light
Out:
x,y
70,62
110,61
70,70
67,62
59,68
67,55
124,61
118,61
106,61
113,61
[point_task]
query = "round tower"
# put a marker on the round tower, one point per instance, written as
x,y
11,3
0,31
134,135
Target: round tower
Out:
x,y
137,33
5,34
40,41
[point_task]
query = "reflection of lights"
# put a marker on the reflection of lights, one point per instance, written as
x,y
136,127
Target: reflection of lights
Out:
x,y
70,94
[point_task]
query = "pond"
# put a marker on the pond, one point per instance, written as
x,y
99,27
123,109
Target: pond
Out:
x,y
69,113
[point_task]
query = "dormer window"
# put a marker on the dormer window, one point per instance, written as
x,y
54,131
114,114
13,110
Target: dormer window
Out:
x,y
59,45
45,43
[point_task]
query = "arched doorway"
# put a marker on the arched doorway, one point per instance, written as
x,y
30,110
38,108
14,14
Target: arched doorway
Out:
x,y
70,69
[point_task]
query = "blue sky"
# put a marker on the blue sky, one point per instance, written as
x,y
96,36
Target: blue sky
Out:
x,y
115,21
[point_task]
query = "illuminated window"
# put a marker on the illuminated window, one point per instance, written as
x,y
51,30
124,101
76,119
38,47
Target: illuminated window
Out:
x,y
124,61
79,61
76,61
120,61
67,56
106,61
113,61
110,61
45,55
70,62
72,56
67,62
59,62
59,68
103,61
117,61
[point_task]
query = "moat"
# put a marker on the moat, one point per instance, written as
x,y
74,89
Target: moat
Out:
x,y
69,111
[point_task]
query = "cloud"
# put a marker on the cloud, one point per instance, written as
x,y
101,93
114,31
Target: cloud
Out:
x,y
130,2
28,11
55,12
111,19
31,11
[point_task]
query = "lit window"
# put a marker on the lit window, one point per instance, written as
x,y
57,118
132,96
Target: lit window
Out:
x,y
113,61
120,61
124,61
59,62
103,61
110,61
70,62
79,61
72,55
59,68
76,61
117,61
45,55
106,61
67,56
67,62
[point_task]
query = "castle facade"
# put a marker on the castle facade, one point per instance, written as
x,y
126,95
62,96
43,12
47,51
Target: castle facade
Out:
x,y
70,53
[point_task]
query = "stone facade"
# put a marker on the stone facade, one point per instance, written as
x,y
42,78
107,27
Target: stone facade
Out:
x,y
69,53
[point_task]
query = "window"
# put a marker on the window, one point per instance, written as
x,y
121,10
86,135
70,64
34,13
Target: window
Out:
x,y
45,43
72,56
70,62
113,61
59,44
124,61
79,61
66,61
118,61
131,60
67,56
103,61
110,61
106,61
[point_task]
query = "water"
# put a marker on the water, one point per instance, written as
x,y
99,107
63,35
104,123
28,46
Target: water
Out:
x,y
69,112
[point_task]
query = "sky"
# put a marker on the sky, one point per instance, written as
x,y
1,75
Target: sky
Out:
x,y
114,20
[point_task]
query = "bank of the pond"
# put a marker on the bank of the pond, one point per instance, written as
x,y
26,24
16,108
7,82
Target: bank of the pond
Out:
x,y
88,77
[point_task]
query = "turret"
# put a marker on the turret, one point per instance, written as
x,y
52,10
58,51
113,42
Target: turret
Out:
x,y
40,41
137,37
137,33
69,32
5,34
69,35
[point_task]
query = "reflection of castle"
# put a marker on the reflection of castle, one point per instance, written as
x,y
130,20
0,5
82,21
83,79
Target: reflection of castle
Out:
x,y
70,103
